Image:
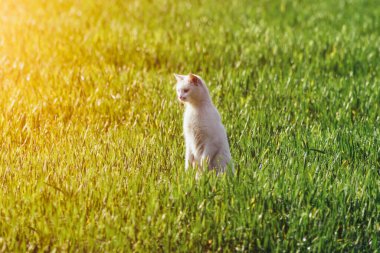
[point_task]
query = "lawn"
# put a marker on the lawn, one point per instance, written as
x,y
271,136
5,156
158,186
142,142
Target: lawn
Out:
x,y
91,144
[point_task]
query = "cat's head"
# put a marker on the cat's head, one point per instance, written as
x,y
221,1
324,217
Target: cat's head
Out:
x,y
190,88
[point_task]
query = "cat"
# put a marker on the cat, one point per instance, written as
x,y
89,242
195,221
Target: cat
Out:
x,y
205,137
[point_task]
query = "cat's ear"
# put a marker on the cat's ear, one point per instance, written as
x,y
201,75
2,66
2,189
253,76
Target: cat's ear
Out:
x,y
194,79
179,77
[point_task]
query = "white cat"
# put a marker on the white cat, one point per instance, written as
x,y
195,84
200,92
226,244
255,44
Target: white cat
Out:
x,y
205,137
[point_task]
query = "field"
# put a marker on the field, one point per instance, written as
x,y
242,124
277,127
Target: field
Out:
x,y
91,145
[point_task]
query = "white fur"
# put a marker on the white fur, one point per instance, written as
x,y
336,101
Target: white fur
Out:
x,y
205,137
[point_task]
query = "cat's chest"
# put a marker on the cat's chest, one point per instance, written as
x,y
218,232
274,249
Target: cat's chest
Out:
x,y
195,124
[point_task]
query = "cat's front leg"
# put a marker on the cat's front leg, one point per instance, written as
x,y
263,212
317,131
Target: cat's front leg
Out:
x,y
189,158
205,162
208,157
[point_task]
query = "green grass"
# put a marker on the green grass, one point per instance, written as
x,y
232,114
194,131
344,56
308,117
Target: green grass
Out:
x,y
91,155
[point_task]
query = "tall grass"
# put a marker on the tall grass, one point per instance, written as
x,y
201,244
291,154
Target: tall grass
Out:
x,y
91,143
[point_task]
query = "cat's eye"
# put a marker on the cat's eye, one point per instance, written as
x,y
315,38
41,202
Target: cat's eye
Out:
x,y
185,90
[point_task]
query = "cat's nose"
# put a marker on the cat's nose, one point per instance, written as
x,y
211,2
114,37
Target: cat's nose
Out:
x,y
181,97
